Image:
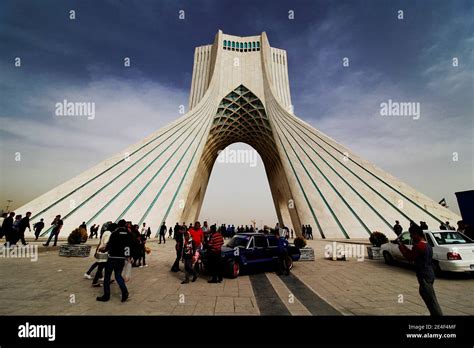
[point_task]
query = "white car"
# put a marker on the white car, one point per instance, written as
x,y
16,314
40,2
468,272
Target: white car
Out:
x,y
452,250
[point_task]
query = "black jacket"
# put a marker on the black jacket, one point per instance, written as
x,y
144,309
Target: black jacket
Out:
x,y
7,225
163,229
24,224
120,244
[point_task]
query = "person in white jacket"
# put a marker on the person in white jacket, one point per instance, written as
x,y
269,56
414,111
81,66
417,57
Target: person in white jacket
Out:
x,y
100,260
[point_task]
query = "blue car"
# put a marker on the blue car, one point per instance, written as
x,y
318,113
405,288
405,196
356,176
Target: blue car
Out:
x,y
251,251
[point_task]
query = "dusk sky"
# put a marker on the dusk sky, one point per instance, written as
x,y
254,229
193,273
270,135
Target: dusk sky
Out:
x,y
408,60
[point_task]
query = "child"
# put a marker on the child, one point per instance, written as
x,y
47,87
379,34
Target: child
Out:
x,y
143,251
188,253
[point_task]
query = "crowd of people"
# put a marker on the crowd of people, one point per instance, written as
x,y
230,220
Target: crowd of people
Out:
x,y
123,244
464,228
14,227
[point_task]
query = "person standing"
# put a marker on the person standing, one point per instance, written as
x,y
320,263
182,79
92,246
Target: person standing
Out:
x,y
96,231
283,267
16,229
170,232
449,227
143,231
197,235
206,231
4,216
188,253
23,225
119,249
38,227
303,231
179,238
310,231
176,229
7,228
143,251
397,228
91,229
216,241
163,233
137,246
422,255
57,225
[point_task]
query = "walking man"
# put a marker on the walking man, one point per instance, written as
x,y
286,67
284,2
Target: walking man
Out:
x,y
24,224
57,225
38,227
7,228
422,255
119,249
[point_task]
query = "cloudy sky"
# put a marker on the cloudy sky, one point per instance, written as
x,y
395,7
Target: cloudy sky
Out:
x,y
409,60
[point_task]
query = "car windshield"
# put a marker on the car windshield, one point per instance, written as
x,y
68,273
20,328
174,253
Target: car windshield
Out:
x,y
238,241
443,238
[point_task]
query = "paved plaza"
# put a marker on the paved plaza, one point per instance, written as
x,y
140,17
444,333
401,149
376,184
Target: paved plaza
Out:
x,y
55,285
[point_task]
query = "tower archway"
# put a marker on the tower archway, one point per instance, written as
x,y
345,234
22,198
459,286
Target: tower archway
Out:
x,y
241,117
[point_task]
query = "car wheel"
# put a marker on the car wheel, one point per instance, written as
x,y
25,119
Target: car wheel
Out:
x,y
289,263
388,258
234,269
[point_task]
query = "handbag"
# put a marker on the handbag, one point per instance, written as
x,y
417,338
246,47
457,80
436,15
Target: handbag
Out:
x,y
127,271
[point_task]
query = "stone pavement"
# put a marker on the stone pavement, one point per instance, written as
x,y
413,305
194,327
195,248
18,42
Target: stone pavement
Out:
x,y
55,286
371,287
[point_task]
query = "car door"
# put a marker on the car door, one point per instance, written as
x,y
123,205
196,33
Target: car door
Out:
x,y
246,254
260,246
272,247
404,238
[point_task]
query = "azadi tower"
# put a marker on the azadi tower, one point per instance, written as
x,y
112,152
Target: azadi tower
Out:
x,y
240,93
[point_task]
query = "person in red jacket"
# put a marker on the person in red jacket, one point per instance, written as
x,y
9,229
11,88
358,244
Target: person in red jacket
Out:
x,y
197,235
216,241
422,255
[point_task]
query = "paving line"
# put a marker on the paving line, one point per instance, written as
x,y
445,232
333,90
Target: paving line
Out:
x,y
312,301
268,301
286,296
